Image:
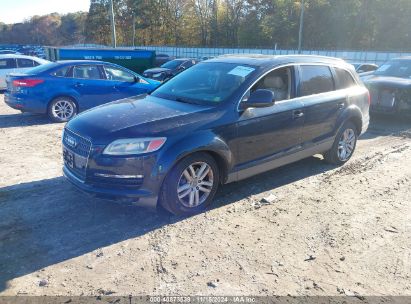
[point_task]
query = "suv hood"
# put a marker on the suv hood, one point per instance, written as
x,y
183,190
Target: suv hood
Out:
x,y
391,82
140,116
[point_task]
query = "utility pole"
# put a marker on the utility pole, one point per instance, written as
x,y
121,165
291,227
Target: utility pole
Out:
x,y
300,33
113,25
134,30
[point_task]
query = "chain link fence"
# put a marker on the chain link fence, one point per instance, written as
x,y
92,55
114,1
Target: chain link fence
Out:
x,y
350,56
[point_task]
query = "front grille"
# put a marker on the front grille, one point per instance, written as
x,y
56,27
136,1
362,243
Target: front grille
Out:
x,y
80,147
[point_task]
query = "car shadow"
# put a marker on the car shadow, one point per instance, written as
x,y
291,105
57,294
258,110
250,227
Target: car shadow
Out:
x,y
46,222
22,120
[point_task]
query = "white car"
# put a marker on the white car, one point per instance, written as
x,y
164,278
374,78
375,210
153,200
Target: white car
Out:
x,y
12,63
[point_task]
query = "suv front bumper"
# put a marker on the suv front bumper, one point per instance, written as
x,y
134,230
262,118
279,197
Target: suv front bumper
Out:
x,y
140,197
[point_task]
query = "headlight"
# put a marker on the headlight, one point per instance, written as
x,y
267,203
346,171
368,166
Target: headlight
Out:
x,y
157,75
130,146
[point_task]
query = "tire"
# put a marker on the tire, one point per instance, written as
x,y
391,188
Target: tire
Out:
x,y
182,196
62,109
346,140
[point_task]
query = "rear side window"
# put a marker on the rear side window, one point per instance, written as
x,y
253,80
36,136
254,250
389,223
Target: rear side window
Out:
x,y
25,63
344,79
86,72
315,80
7,64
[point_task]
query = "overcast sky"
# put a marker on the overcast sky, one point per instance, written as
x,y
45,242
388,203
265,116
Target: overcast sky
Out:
x,y
12,11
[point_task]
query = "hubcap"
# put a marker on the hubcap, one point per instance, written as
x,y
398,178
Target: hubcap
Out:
x,y
195,184
63,109
346,144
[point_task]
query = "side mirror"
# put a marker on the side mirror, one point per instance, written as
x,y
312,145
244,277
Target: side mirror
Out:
x,y
260,99
360,71
181,68
136,79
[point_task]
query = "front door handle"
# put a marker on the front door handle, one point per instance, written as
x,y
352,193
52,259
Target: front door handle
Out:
x,y
298,114
341,105
78,85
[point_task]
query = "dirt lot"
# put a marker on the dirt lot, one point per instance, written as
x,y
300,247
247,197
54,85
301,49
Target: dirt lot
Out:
x,y
330,231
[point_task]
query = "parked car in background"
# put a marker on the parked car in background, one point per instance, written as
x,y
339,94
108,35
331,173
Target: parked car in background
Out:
x,y
220,121
12,63
169,69
390,87
63,89
8,52
364,67
162,58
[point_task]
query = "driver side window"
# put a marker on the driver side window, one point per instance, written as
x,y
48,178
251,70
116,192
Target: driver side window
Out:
x,y
116,74
277,81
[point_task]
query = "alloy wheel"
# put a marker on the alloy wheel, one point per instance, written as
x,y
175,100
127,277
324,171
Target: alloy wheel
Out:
x,y
63,109
346,144
195,184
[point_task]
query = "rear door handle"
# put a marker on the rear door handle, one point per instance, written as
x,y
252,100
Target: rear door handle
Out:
x,y
78,84
298,114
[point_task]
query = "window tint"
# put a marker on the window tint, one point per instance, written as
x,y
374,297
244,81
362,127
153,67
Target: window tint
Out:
x,y
345,79
86,72
315,80
25,63
277,81
7,64
116,74
61,72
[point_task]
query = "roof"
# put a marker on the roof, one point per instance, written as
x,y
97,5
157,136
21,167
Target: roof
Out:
x,y
263,60
12,56
82,61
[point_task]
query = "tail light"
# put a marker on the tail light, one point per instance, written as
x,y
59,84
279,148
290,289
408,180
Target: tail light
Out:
x,y
369,97
28,83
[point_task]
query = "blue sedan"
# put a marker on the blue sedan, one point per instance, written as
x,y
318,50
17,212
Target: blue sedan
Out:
x,y
63,89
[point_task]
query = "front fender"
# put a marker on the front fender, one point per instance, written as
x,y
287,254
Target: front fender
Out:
x,y
205,141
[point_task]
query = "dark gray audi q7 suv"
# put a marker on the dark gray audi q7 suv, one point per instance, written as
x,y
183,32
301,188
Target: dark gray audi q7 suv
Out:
x,y
218,122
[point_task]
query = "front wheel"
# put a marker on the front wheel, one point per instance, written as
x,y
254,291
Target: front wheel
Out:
x,y
62,109
191,184
344,145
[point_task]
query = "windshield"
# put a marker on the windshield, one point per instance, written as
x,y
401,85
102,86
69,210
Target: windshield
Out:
x,y
172,64
205,83
395,68
41,68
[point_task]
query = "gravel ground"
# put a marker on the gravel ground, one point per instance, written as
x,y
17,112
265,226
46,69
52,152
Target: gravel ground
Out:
x,y
325,231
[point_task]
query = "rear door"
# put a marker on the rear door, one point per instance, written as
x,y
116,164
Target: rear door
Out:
x,y
7,66
90,85
322,103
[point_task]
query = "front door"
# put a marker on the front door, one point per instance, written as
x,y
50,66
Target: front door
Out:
x,y
124,83
265,134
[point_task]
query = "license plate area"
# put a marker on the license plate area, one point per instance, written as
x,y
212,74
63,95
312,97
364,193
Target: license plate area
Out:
x,y
74,161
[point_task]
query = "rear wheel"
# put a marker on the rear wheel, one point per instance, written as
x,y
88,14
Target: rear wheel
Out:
x,y
344,145
190,186
62,109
